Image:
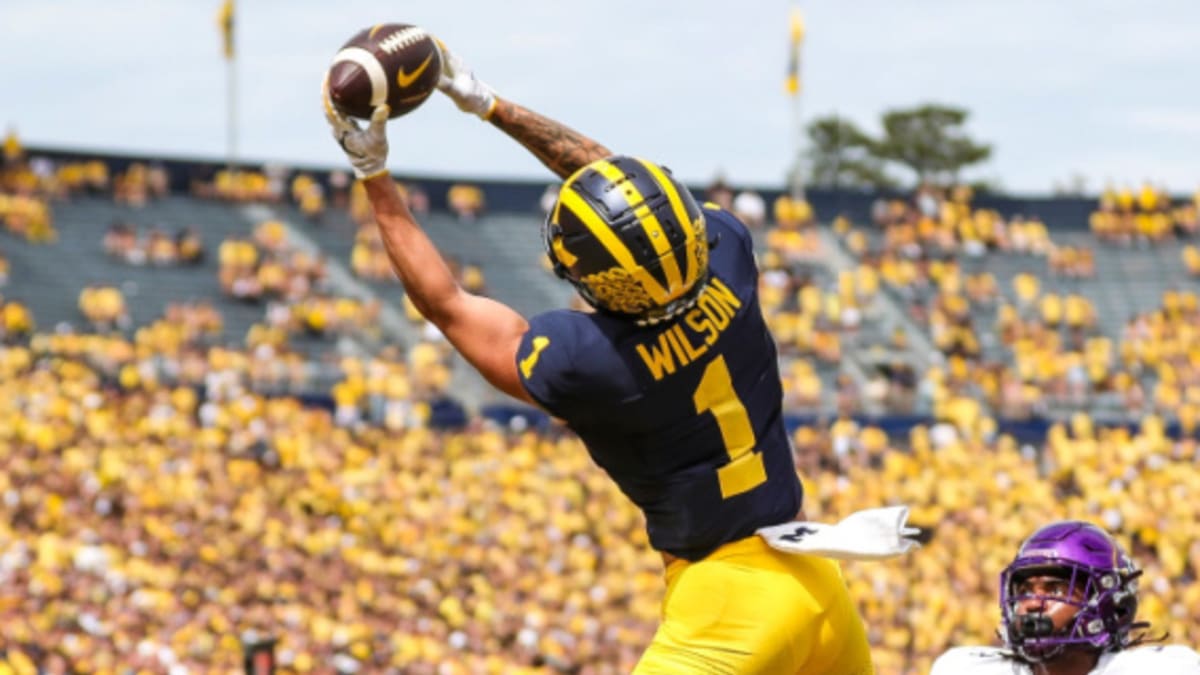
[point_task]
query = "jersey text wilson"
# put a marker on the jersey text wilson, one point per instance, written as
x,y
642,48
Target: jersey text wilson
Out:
x,y
678,346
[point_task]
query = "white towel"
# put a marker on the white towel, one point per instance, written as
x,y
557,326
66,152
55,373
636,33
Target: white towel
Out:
x,y
870,534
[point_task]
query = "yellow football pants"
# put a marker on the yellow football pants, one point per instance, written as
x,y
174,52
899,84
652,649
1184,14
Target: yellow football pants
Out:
x,y
748,608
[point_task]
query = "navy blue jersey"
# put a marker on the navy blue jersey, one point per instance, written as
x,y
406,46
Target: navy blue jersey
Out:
x,y
685,415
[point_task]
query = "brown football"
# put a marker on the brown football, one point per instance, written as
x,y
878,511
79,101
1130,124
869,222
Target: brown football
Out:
x,y
392,63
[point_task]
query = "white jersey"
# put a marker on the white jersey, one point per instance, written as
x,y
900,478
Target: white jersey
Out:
x,y
1155,660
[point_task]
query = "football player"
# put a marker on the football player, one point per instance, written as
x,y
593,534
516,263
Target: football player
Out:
x,y
672,383
1068,604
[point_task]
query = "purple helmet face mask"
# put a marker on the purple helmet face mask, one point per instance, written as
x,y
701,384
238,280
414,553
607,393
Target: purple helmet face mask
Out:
x,y
1089,560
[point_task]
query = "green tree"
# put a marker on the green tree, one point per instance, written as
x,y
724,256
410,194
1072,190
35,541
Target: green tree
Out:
x,y
841,155
930,140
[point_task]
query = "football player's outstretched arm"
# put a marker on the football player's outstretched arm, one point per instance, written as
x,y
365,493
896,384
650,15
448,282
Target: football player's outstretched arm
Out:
x,y
562,149
487,333
558,146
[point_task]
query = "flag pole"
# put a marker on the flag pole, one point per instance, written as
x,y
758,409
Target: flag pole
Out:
x,y
794,86
226,20
797,189
231,122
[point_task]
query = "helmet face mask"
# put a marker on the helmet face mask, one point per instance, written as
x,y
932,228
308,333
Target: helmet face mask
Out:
x,y
630,238
1098,583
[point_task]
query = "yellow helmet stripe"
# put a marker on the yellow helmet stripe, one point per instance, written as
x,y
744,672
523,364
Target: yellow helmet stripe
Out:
x,y
681,216
654,231
607,238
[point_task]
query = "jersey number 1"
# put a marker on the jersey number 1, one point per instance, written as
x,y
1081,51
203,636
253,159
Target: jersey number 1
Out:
x,y
715,394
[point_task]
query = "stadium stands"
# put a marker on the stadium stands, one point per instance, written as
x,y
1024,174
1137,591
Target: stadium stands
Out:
x,y
51,276
506,246
160,497
1018,309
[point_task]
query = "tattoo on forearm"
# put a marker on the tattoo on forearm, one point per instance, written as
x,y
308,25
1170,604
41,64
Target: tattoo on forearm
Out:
x,y
562,149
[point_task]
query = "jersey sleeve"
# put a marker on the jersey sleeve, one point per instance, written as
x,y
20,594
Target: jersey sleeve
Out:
x,y
946,664
545,361
1159,659
727,225
973,661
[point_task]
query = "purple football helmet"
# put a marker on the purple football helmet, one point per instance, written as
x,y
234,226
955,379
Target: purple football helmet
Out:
x,y
1088,558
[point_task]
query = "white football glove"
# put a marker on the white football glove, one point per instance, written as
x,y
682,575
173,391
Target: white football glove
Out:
x,y
460,84
367,149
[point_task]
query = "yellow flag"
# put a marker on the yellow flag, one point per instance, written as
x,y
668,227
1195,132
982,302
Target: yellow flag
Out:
x,y
225,22
792,84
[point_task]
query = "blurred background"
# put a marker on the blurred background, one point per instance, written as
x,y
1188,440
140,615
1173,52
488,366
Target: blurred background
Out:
x,y
228,442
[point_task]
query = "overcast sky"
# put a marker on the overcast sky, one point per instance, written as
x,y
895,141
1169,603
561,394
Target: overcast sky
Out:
x,y
1110,90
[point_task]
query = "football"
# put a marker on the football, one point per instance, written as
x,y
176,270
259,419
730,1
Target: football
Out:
x,y
393,63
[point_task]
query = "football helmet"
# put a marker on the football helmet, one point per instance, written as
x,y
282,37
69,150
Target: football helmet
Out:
x,y
630,238
1089,559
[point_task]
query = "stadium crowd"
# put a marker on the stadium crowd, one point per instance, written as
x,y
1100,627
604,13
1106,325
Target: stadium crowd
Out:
x,y
1050,353
149,526
158,501
156,247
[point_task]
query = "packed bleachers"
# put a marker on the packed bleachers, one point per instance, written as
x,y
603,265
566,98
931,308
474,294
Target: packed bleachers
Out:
x,y
1039,323
52,276
505,246
211,465
116,264
165,524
